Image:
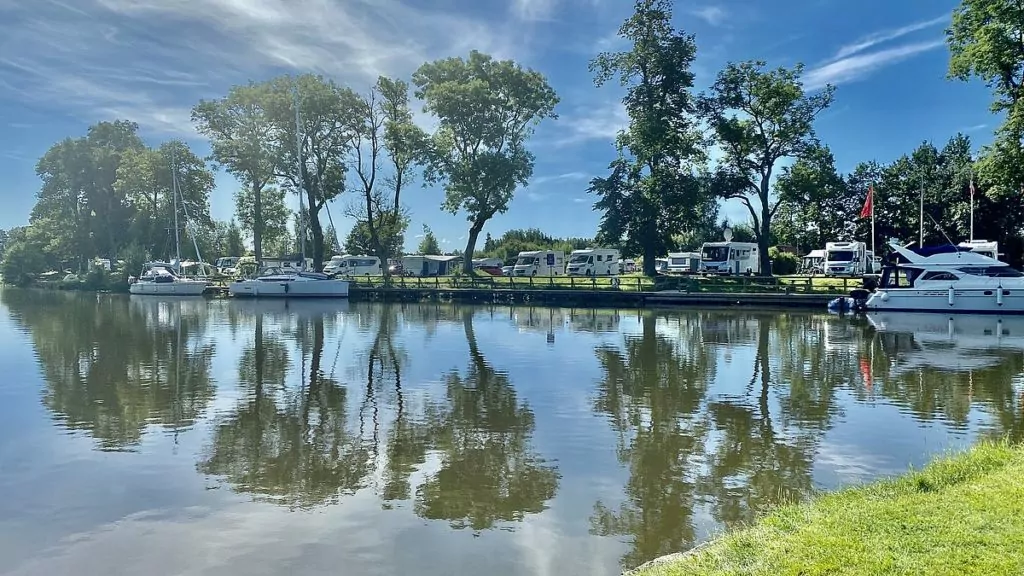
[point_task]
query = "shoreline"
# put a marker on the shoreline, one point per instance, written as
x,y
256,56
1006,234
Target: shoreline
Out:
x,y
960,514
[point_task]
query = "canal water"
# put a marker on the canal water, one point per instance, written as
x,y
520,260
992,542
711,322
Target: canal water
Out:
x,y
149,436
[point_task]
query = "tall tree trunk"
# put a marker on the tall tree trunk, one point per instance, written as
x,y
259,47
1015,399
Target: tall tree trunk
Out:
x,y
467,258
257,224
650,253
765,236
314,225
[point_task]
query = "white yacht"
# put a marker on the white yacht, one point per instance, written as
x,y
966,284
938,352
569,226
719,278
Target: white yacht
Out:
x,y
947,279
277,282
160,278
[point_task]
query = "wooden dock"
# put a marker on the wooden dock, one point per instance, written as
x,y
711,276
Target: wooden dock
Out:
x,y
591,298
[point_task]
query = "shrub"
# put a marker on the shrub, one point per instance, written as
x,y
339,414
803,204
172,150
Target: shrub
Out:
x,y
783,262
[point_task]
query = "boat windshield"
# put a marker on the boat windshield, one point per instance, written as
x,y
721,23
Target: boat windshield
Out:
x,y
840,256
992,271
715,253
580,259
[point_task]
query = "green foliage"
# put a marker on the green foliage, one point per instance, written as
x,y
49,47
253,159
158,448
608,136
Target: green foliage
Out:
x,y
760,116
486,110
783,263
653,191
22,258
275,214
985,43
429,244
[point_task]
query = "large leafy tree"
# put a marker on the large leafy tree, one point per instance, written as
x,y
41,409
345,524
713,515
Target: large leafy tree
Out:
x,y
145,179
244,140
324,134
760,116
486,110
816,204
359,240
429,244
273,217
653,191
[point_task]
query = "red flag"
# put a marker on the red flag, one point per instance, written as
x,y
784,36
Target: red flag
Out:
x,y
865,212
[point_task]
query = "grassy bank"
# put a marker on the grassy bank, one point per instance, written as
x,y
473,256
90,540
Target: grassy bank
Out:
x,y
961,515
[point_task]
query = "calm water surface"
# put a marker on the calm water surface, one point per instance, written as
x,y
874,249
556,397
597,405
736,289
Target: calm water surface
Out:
x,y
149,436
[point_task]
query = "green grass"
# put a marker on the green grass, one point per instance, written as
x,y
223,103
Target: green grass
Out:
x,y
961,515
630,282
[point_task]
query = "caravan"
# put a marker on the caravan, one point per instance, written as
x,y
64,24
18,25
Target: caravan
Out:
x,y
983,247
349,265
540,263
730,258
848,259
683,262
593,262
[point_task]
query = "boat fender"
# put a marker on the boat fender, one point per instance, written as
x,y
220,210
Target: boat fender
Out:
x,y
951,294
285,287
999,295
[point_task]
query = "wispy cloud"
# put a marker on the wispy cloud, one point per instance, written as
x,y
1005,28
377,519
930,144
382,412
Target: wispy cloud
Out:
x,y
582,200
974,128
885,36
714,15
857,67
151,60
599,122
555,177
531,10
853,61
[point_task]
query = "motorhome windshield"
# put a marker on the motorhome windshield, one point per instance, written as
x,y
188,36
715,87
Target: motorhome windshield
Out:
x,y
840,256
579,259
716,253
527,261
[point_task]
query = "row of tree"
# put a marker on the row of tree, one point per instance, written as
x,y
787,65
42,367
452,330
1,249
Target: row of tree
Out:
x,y
664,184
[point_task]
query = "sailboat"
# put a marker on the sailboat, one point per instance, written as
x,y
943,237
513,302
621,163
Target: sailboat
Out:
x,y
161,278
276,282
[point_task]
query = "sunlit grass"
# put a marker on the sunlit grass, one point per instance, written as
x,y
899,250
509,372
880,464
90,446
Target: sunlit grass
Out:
x,y
961,515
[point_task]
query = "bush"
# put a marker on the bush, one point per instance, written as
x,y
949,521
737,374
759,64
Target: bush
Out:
x,y
783,262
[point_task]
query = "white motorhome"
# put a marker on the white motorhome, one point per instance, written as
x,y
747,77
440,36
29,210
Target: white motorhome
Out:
x,y
848,259
593,262
683,262
983,247
729,258
349,265
540,263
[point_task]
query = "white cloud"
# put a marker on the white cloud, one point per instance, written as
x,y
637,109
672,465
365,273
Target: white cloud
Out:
x,y
552,178
886,35
598,122
444,241
532,10
151,60
714,15
857,67
583,200
852,62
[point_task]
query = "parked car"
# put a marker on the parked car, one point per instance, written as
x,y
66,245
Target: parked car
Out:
x,y
492,270
507,270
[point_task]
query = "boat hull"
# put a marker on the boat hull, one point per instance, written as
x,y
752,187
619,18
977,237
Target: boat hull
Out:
x,y
179,288
288,289
983,300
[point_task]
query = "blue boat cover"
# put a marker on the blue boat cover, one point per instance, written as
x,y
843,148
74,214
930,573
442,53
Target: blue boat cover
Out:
x,y
933,250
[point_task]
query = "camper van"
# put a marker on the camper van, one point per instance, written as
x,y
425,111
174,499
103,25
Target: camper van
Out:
x,y
848,259
729,258
683,262
349,265
593,262
540,263
983,247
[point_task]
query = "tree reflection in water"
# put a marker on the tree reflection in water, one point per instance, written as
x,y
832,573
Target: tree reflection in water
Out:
x,y
288,444
114,366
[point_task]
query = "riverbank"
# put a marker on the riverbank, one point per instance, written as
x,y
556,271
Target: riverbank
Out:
x,y
960,515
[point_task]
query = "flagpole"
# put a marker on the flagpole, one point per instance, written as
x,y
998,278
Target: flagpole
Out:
x,y
921,214
873,253
972,204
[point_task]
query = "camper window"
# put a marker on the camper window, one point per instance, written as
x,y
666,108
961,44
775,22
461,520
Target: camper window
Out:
x,y
715,253
840,256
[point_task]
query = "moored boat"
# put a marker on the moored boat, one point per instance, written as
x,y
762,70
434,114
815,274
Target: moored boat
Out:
x,y
160,278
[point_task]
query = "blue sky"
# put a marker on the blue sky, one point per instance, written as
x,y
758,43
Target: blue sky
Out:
x,y
65,64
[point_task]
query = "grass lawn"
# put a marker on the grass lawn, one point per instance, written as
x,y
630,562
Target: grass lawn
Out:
x,y
961,515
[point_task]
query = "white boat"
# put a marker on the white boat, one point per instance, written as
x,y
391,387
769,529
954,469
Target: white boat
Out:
x,y
159,278
278,283
947,279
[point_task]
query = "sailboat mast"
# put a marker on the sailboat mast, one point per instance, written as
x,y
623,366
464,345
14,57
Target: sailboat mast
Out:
x,y
174,192
921,213
301,232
